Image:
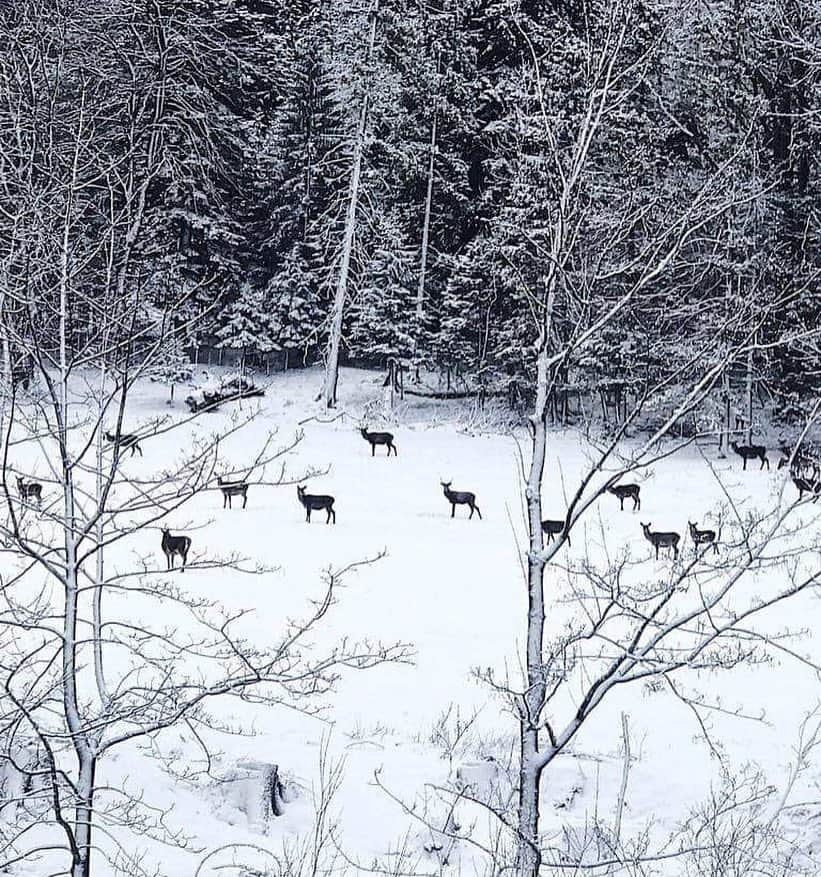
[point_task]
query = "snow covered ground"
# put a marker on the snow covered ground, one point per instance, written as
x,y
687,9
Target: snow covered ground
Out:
x,y
454,590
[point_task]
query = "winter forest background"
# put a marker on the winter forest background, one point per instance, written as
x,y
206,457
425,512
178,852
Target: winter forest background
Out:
x,y
243,120
581,238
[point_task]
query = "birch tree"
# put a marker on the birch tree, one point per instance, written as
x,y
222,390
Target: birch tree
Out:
x,y
331,379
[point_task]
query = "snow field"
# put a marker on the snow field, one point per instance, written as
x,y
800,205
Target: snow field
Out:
x,y
454,590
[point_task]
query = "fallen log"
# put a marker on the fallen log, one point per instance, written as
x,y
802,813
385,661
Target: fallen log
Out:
x,y
453,394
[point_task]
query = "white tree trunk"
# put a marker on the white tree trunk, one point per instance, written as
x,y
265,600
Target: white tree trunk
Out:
x,y
749,393
726,414
528,858
86,760
99,575
420,290
335,332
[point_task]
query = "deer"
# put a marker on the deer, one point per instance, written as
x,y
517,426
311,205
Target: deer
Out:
x,y
125,440
232,488
799,459
379,438
173,545
703,537
623,491
751,452
806,483
460,497
30,490
314,502
552,529
661,540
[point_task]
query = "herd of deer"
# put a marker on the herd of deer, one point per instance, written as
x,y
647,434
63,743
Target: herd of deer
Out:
x,y
805,473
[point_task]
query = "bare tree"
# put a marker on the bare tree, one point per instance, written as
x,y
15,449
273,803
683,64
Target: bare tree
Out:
x,y
635,625
97,655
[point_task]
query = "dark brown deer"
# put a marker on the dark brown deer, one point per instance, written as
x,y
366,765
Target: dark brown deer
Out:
x,y
751,452
786,453
125,440
703,537
232,488
806,480
623,491
661,540
552,529
379,438
173,545
30,490
800,460
314,503
460,497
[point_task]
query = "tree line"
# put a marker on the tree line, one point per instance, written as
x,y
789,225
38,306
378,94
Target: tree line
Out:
x,y
382,179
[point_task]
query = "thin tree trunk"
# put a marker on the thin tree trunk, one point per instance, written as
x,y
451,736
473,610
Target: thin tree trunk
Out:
x,y
749,394
423,265
724,437
99,577
724,440
528,858
329,387
625,773
82,827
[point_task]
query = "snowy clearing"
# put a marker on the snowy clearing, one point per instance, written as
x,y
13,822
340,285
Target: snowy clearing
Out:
x,y
453,589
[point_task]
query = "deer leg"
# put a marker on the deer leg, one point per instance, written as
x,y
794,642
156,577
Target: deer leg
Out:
x,y
478,512
621,503
373,449
308,515
245,499
453,510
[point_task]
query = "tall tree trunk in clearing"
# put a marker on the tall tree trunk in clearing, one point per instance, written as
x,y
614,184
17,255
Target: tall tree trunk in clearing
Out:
x,y
528,857
335,333
83,808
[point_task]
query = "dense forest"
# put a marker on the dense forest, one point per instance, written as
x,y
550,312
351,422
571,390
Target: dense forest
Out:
x,y
258,170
